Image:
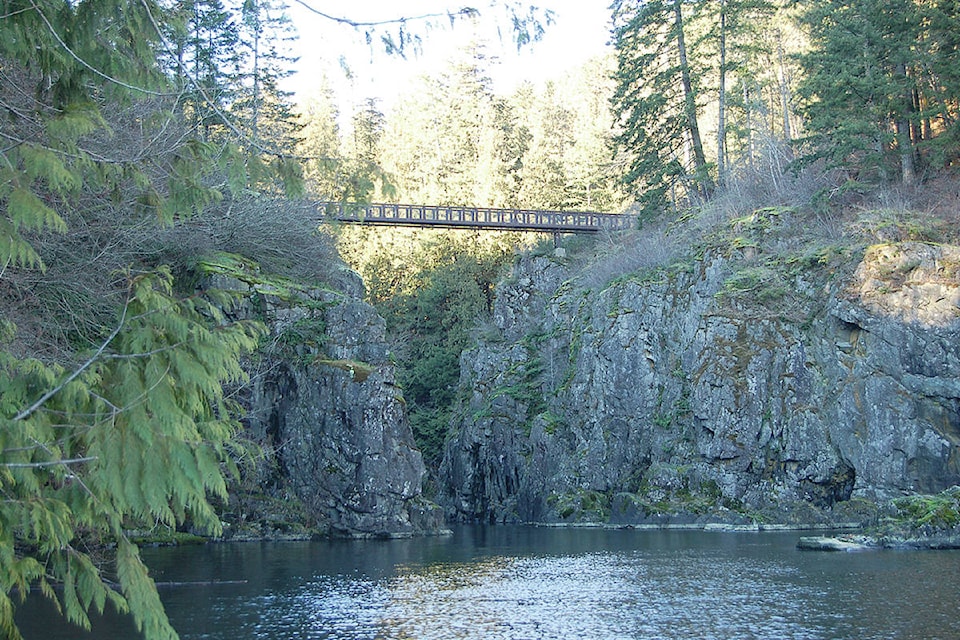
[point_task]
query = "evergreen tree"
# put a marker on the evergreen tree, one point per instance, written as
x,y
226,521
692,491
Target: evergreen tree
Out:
x,y
268,122
736,40
361,177
590,180
543,176
444,144
760,110
936,99
431,292
320,145
656,102
204,36
859,85
124,422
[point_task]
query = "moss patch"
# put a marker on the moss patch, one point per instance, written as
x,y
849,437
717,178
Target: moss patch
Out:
x,y
938,511
359,371
582,505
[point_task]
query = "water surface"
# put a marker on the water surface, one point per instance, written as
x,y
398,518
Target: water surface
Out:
x,y
536,583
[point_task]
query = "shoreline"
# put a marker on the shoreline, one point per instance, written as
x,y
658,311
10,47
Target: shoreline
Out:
x,y
709,526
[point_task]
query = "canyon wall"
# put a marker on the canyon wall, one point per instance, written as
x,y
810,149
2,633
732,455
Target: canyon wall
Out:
x,y
337,455
664,396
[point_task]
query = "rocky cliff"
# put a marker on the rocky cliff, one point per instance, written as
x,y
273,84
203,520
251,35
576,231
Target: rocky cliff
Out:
x,y
711,391
337,452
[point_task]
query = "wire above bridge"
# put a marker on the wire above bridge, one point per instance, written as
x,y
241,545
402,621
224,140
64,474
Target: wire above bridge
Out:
x,y
425,216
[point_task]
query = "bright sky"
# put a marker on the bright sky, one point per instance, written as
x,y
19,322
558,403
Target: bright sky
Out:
x,y
580,31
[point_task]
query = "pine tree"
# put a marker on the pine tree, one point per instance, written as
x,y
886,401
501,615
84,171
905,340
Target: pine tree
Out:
x,y
860,84
360,176
936,104
268,122
656,102
543,178
320,145
444,143
737,43
204,38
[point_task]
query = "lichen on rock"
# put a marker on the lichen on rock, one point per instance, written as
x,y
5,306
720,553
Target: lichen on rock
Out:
x,y
675,397
339,456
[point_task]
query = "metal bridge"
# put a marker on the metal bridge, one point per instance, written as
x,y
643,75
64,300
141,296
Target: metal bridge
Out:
x,y
425,216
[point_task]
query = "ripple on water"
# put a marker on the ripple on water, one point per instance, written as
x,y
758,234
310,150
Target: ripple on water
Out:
x,y
597,595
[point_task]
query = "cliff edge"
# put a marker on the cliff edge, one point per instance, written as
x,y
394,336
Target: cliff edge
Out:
x,y
723,387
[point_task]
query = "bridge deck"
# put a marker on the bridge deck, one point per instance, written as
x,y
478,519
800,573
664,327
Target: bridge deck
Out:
x,y
474,217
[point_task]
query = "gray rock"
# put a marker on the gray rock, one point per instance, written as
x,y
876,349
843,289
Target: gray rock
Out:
x,y
829,543
658,396
324,406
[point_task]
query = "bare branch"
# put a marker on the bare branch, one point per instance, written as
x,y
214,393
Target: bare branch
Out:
x,y
73,376
463,11
42,465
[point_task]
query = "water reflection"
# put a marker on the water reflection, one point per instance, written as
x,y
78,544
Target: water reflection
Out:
x,y
596,595
538,584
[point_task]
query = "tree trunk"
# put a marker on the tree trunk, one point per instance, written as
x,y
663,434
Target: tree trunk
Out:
x,y
704,184
908,173
748,108
784,90
722,98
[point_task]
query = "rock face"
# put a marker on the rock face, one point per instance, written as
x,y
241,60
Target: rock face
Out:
x,y
325,409
664,397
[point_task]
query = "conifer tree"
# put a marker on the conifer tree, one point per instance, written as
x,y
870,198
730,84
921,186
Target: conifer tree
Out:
x,y
937,90
362,178
543,176
125,424
204,37
656,102
859,86
320,144
736,42
271,130
444,145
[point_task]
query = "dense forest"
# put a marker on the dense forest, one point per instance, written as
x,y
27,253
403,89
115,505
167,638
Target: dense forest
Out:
x,y
138,136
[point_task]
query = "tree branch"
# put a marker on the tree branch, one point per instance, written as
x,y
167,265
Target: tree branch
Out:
x,y
26,413
41,465
86,64
463,11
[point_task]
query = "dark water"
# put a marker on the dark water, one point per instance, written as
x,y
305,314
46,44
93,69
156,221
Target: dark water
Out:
x,y
530,583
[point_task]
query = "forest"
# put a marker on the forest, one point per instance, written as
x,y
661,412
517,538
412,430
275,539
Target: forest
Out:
x,y
136,137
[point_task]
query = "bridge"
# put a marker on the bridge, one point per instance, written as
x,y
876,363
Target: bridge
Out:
x,y
425,216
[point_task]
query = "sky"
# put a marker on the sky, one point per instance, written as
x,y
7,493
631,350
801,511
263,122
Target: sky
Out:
x,y
580,31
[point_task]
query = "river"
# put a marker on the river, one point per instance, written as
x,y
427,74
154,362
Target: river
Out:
x,y
535,583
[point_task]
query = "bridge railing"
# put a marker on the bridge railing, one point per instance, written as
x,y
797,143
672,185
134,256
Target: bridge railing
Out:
x,y
474,217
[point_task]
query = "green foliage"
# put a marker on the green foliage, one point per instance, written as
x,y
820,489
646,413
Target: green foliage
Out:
x,y
881,86
113,413
655,101
939,511
581,505
523,382
431,293
206,61
358,371
134,435
853,88
455,141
